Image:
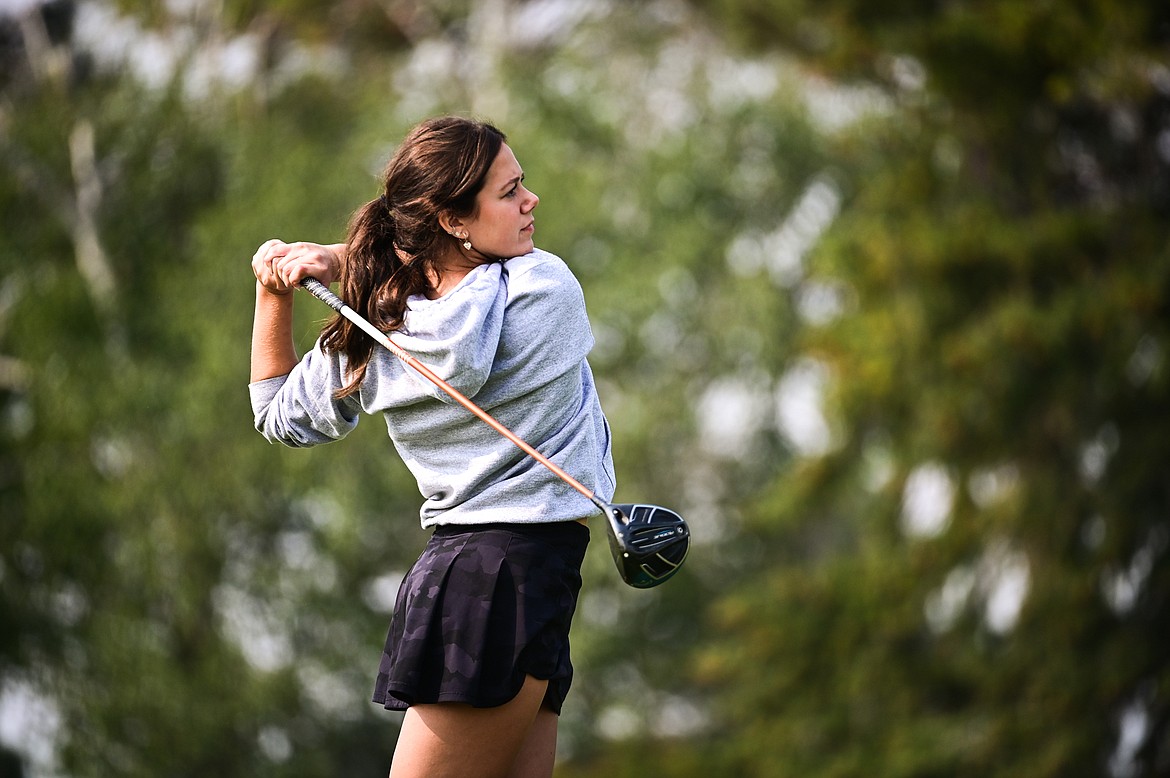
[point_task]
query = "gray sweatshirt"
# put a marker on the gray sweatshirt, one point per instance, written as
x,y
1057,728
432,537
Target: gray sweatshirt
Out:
x,y
513,337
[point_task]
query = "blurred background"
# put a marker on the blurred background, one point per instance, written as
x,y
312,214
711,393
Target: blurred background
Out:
x,y
881,293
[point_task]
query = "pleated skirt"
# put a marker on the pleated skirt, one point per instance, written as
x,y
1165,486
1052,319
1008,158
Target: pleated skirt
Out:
x,y
482,607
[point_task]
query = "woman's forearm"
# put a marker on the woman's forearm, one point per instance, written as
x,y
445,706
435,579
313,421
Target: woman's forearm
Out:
x,y
279,267
273,353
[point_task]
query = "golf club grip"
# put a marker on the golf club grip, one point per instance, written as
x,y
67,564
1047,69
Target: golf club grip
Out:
x,y
322,293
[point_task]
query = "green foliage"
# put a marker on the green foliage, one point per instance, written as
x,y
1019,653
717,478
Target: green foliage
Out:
x,y
1007,268
192,604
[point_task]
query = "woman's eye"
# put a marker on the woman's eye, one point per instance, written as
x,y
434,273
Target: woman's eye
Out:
x,y
512,192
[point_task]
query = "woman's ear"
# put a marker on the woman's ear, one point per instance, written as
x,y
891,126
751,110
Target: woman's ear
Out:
x,y
450,223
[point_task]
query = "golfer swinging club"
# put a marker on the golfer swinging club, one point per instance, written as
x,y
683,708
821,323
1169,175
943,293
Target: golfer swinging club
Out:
x,y
477,652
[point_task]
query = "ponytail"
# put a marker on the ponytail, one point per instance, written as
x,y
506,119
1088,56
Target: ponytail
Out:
x,y
376,280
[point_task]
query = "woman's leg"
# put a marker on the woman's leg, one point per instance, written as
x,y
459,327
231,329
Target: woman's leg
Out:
x,y
453,740
539,752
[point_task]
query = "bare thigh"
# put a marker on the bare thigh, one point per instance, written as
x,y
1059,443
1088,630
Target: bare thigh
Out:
x,y
453,740
539,752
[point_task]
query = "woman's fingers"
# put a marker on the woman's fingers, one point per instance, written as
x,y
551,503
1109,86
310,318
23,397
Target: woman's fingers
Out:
x,y
266,264
282,265
303,260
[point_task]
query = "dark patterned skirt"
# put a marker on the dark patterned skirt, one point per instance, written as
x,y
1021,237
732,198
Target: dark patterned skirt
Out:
x,y
481,608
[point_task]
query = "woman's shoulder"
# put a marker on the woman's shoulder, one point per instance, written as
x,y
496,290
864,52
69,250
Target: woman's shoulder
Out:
x,y
539,266
541,283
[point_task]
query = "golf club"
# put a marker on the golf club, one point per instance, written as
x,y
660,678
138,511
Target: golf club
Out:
x,y
648,542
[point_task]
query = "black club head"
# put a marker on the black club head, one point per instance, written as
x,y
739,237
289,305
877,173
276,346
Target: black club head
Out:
x,y
648,543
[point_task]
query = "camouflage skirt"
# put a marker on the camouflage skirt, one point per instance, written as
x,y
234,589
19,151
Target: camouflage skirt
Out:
x,y
482,607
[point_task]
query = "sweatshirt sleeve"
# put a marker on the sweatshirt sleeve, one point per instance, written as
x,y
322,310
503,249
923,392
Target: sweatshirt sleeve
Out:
x,y
299,409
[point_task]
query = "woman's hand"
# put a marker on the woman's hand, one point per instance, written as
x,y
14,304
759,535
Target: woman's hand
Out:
x,y
280,266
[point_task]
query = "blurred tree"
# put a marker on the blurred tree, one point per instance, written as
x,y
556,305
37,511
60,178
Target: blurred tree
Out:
x,y
173,599
973,579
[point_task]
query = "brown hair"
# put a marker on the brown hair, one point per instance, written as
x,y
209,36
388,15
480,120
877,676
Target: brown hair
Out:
x,y
395,240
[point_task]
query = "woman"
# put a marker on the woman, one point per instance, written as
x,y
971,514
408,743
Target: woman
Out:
x,y
477,652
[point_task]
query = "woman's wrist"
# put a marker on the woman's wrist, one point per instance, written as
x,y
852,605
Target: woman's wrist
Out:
x,y
339,250
264,291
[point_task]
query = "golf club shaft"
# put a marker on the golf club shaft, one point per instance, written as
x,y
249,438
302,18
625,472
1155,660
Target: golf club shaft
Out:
x,y
322,293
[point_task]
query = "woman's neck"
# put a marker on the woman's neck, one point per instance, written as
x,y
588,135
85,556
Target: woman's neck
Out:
x,y
451,270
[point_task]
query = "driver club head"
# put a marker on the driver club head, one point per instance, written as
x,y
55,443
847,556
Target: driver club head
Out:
x,y
648,543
